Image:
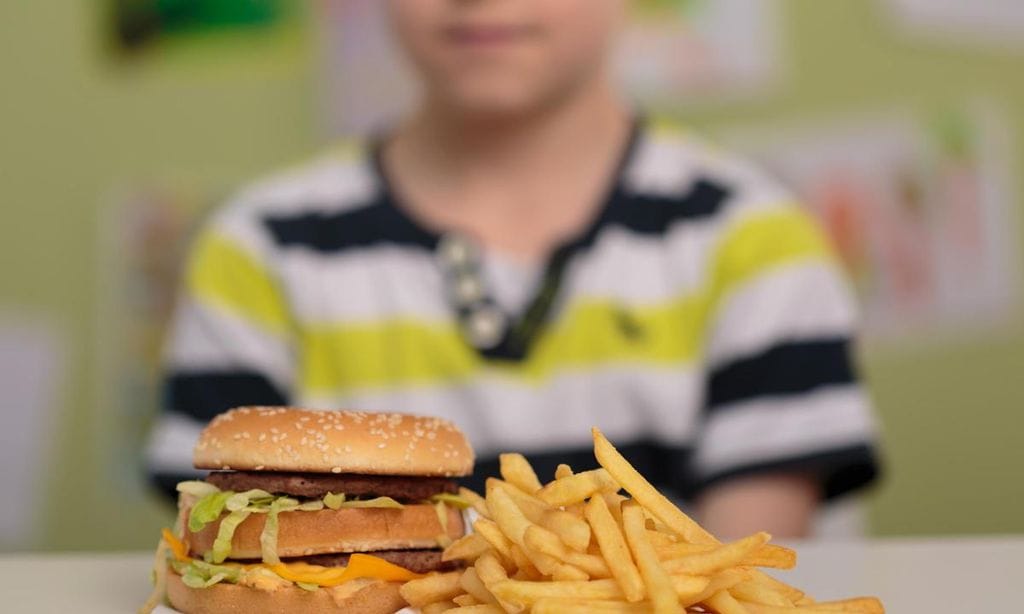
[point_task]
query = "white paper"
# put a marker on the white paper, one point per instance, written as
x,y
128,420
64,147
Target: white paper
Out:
x,y
31,359
978,22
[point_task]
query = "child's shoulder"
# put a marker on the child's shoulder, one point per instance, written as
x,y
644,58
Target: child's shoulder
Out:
x,y
338,179
671,159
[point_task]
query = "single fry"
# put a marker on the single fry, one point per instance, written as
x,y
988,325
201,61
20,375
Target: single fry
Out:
x,y
543,540
572,529
438,607
768,555
719,582
729,555
645,493
754,592
478,502
516,470
466,599
614,501
862,605
724,603
472,584
469,547
511,520
532,507
565,572
575,606
526,593
478,609
489,530
613,548
525,567
656,580
562,471
491,572
435,587
577,487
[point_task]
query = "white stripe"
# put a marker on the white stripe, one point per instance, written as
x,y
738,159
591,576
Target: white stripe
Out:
x,y
169,450
763,430
383,282
208,338
371,284
794,302
326,184
500,414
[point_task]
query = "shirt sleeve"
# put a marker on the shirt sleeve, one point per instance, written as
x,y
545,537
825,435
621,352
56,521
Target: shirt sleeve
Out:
x,y
782,392
230,342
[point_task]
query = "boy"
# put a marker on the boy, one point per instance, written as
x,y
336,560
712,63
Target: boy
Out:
x,y
526,257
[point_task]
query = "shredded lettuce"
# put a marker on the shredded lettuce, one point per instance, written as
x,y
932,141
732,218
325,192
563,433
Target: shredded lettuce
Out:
x,y
309,586
199,574
268,538
222,545
334,501
207,509
251,498
197,488
386,502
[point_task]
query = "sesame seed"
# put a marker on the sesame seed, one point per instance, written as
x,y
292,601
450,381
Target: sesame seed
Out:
x,y
382,445
335,469
258,467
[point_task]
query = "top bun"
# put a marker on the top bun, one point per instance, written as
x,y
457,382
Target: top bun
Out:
x,y
292,439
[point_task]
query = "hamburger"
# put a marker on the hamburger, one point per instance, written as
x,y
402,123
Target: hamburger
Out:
x,y
313,511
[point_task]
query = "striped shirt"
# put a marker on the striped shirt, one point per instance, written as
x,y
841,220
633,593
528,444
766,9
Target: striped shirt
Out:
x,y
701,321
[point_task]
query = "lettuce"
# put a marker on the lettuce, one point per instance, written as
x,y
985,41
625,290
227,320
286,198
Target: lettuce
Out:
x,y
196,488
222,545
207,509
199,574
334,501
255,498
268,538
386,502
448,498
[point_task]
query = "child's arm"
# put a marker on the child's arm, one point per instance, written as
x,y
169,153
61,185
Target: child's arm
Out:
x,y
781,503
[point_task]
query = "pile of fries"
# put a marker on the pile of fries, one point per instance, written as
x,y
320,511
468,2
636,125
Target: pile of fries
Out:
x,y
577,545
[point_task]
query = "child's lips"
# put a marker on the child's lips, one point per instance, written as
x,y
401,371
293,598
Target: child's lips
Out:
x,y
488,35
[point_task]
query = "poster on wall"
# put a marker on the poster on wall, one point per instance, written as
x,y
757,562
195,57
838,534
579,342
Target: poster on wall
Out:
x,y
673,52
144,238
989,23
921,211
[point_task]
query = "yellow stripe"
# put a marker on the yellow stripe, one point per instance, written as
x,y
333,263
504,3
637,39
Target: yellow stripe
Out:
x,y
589,334
222,273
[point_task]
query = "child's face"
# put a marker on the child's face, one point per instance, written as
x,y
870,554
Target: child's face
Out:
x,y
504,56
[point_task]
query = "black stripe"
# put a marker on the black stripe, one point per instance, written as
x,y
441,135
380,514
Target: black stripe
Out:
x,y
374,224
382,222
839,471
664,466
204,395
790,368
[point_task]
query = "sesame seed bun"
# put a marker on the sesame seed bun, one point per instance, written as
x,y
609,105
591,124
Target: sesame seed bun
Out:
x,y
361,596
330,531
304,440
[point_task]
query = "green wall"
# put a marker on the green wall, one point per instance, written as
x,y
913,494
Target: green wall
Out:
x,y
76,122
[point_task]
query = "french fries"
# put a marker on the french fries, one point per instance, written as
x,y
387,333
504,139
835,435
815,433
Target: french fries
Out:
x,y
577,545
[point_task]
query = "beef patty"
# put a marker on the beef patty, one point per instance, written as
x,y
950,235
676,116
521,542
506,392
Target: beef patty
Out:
x,y
316,485
418,561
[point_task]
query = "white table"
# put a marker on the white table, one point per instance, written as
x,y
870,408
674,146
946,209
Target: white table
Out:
x,y
911,576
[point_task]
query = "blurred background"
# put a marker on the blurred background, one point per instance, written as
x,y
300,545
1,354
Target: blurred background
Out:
x,y
900,122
